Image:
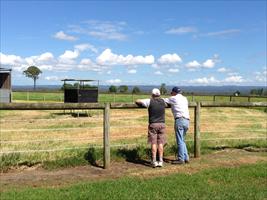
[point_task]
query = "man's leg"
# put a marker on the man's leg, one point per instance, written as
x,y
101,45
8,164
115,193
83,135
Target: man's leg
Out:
x,y
154,152
179,133
186,126
160,148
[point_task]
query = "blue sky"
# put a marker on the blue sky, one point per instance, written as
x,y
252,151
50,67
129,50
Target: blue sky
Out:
x,y
136,42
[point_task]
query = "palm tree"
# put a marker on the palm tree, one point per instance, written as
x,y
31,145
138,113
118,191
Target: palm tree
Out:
x,y
32,72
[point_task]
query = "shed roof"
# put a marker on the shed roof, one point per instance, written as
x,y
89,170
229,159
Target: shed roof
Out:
x,y
83,80
5,70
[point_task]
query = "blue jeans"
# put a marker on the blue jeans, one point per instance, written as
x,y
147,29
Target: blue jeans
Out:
x,y
181,127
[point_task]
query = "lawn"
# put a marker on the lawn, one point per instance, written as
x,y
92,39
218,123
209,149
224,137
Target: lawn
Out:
x,y
244,182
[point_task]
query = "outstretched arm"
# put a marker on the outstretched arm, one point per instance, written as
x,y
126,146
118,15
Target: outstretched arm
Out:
x,y
143,102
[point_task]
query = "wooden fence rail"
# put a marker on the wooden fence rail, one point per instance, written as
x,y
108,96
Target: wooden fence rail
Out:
x,y
106,116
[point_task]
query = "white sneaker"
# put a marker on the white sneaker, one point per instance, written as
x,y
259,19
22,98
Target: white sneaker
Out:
x,y
160,164
154,164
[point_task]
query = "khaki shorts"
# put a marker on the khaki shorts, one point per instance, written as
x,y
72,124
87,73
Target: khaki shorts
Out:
x,y
156,133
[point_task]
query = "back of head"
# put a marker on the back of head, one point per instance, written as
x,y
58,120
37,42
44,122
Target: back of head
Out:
x,y
176,90
155,92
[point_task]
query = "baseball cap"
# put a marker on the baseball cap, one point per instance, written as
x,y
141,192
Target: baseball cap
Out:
x,y
176,90
156,92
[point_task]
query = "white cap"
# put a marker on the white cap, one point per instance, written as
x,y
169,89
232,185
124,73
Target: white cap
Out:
x,y
156,92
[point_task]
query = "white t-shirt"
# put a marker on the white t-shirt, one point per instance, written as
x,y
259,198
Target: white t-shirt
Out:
x,y
179,106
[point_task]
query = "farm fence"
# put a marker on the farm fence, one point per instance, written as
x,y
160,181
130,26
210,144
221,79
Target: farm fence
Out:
x,y
106,107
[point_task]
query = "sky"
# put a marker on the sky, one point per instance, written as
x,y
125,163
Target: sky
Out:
x,y
136,42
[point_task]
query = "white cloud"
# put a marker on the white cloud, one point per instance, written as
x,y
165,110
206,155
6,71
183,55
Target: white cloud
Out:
x,y
88,65
261,76
223,70
109,58
193,64
114,81
234,79
69,55
209,63
108,36
173,70
169,59
181,30
63,36
233,74
7,60
83,47
205,80
158,73
222,33
52,78
45,57
132,71
105,30
45,67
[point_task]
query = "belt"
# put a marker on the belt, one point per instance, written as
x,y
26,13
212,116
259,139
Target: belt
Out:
x,y
181,118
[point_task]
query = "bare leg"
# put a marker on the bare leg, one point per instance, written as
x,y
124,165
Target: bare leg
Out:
x,y
160,147
154,152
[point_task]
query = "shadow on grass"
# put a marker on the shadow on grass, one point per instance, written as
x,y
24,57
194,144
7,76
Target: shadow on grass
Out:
x,y
91,157
74,114
135,155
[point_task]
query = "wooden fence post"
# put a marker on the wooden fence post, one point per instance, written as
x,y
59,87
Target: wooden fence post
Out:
x,y
106,136
214,98
197,131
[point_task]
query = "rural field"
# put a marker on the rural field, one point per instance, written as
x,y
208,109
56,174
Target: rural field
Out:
x,y
58,154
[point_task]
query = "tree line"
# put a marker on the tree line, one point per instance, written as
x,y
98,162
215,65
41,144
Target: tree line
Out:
x,y
34,72
135,90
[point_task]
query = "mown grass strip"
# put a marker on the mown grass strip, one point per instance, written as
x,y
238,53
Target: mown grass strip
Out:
x,y
245,182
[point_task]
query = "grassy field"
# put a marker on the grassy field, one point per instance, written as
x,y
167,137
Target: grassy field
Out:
x,y
245,182
59,97
60,140
57,139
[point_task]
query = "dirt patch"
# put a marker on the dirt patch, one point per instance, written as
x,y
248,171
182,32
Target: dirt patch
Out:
x,y
38,177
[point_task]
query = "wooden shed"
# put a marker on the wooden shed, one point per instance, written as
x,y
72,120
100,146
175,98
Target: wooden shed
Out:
x,y
80,92
5,85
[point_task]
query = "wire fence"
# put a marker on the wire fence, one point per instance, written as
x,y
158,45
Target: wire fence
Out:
x,y
10,144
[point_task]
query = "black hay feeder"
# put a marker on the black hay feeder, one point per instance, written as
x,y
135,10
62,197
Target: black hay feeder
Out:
x,y
81,91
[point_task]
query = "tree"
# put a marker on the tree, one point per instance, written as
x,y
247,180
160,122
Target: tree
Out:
x,y
257,91
237,93
123,88
136,90
32,72
163,89
67,86
112,89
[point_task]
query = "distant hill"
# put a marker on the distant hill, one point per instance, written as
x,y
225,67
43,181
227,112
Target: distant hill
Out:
x,y
227,90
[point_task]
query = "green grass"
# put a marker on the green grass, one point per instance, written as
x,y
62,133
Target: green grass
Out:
x,y
94,156
118,97
245,182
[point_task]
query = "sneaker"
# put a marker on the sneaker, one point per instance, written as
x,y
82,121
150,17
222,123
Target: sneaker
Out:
x,y
160,164
186,161
178,162
154,164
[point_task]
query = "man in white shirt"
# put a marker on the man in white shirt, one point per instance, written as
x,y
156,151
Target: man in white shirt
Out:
x,y
156,128
180,111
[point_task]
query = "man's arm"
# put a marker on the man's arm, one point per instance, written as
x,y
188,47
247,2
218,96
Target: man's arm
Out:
x,y
167,101
143,102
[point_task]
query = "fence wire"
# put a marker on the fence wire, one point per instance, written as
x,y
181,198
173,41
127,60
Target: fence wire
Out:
x,y
122,128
